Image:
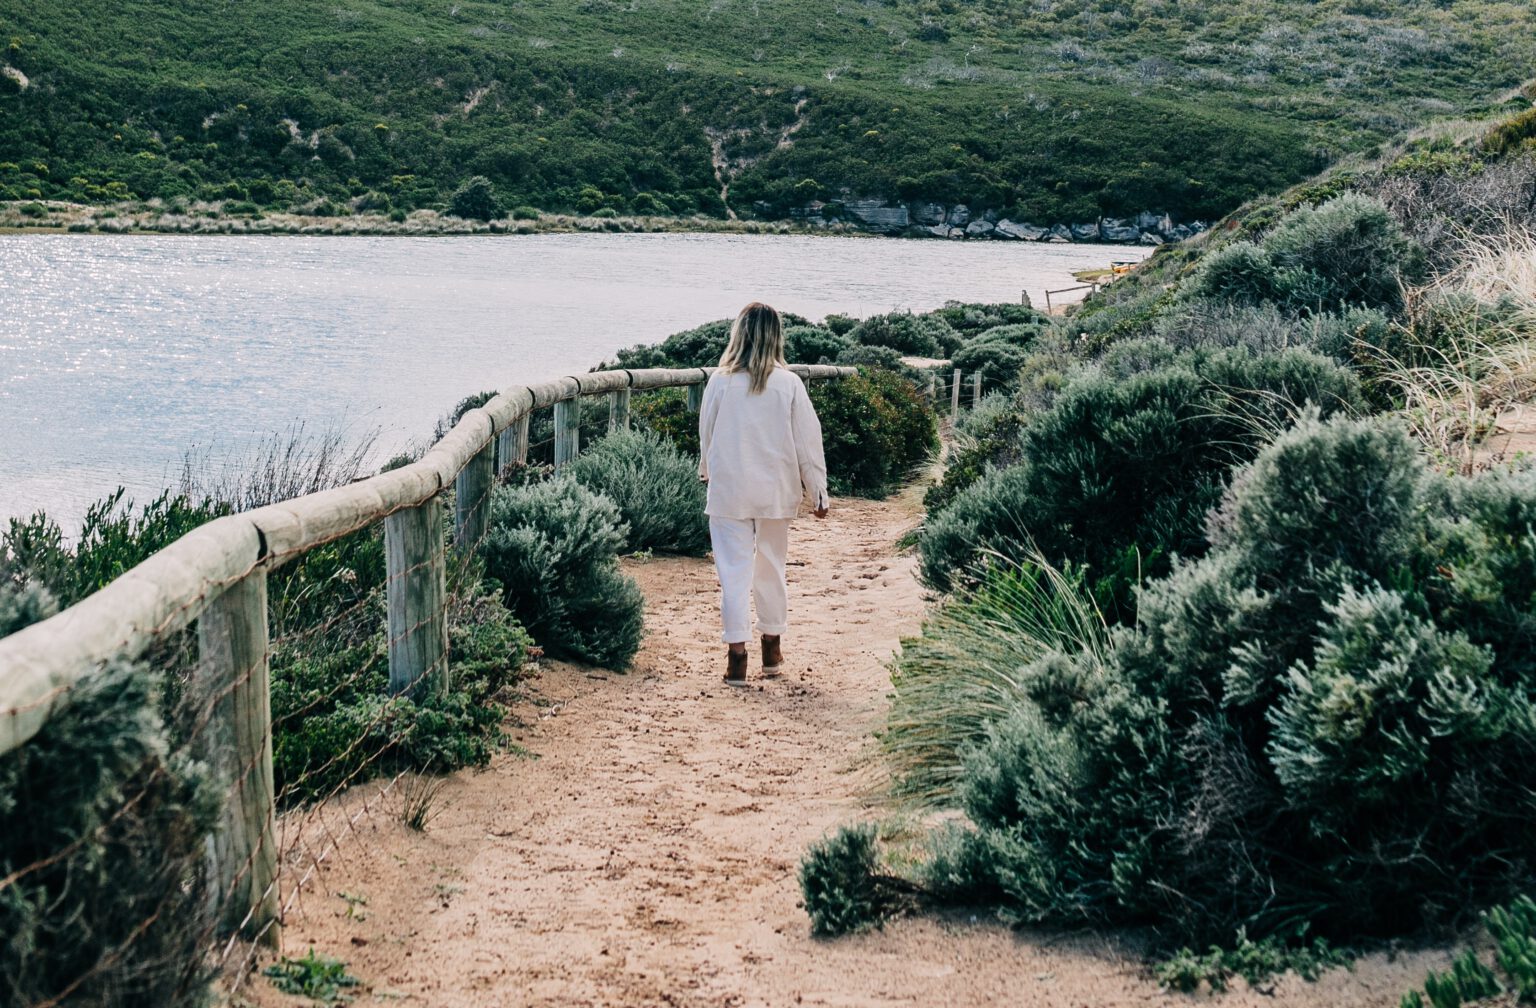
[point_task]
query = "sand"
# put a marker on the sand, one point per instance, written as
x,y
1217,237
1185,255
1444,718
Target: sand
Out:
x,y
644,851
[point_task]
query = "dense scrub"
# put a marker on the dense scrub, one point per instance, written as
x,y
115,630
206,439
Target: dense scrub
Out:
x,y
1055,113
1117,475
1326,719
1213,660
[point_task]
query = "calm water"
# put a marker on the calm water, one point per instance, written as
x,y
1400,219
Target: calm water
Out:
x,y
121,355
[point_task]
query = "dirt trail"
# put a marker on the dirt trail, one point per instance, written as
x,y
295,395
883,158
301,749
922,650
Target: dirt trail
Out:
x,y
647,855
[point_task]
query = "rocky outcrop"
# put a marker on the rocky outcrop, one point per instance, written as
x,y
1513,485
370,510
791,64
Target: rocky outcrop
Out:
x,y
875,215
928,219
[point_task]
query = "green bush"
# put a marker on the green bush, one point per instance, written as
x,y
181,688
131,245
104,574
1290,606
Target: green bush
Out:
x,y
839,883
985,437
813,345
998,354
1118,474
114,537
102,826
665,411
475,200
655,486
910,335
842,325
554,548
525,213
1328,720
700,346
970,320
1347,252
876,430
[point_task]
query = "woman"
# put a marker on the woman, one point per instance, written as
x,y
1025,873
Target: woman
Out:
x,y
760,452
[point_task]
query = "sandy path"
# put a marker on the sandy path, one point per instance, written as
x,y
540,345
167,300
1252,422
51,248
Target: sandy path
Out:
x,y
647,856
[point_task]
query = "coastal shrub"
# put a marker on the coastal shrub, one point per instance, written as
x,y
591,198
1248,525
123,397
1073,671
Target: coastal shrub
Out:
x,y
813,344
554,548
879,358
336,723
525,213
102,826
876,430
1119,473
655,486
1347,252
973,664
114,537
997,354
842,889
842,325
665,411
1319,723
969,319
700,346
908,334
475,199
984,437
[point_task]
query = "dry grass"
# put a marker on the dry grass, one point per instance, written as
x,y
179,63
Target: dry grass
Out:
x,y
1458,372
287,464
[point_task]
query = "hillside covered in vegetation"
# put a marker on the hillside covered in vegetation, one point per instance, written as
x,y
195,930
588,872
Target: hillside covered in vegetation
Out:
x,y
1054,110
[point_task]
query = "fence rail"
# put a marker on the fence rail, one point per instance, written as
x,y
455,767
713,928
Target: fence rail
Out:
x,y
216,576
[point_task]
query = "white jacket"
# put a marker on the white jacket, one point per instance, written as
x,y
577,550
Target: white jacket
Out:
x,y
761,452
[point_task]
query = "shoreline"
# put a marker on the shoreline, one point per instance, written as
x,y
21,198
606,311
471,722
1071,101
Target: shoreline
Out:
x,y
209,219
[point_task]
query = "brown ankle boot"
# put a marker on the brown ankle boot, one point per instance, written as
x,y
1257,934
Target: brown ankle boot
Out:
x,y
736,668
772,656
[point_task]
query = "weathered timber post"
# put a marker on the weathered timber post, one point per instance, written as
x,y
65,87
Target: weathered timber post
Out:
x,y
975,389
933,391
954,396
233,646
618,409
567,430
695,397
512,446
472,498
417,598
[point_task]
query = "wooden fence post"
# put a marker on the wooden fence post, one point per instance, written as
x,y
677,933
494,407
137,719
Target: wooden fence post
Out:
x,y
567,430
695,397
933,391
618,409
233,646
954,397
512,447
416,598
472,499
975,389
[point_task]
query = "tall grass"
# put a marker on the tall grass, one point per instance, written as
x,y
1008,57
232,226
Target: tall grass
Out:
x,y
1467,356
971,667
287,464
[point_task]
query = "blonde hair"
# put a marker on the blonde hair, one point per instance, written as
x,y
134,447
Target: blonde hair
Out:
x,y
756,346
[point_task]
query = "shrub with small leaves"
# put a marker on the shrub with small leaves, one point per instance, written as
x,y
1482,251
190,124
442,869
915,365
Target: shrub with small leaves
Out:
x,y
554,548
840,885
913,335
655,486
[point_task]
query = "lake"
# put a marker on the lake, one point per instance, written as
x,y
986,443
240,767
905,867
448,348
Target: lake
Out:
x,y
120,355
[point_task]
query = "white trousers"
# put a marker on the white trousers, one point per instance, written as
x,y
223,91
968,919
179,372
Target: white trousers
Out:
x,y
749,557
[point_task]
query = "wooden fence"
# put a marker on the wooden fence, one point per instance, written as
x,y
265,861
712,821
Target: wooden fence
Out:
x,y
216,575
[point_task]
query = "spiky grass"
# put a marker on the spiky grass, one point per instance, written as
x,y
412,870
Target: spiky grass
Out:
x,y
1478,364
966,670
